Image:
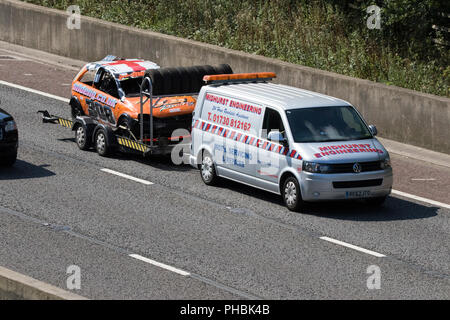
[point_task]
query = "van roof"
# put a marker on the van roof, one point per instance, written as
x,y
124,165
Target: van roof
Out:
x,y
277,95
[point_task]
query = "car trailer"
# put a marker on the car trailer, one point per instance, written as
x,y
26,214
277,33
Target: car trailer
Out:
x,y
90,132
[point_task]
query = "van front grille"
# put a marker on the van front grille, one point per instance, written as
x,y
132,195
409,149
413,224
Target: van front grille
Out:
x,y
348,167
357,183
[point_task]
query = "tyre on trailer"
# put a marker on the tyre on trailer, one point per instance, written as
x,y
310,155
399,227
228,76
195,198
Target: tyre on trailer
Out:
x,y
185,80
82,138
157,81
166,75
75,108
102,144
194,76
223,69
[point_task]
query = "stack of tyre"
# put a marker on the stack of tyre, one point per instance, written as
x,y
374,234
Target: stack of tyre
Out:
x,y
183,80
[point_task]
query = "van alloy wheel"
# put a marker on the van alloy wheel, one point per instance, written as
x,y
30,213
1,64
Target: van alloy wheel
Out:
x,y
208,169
290,193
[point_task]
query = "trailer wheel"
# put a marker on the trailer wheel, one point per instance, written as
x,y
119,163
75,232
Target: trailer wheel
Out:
x,y
81,138
101,143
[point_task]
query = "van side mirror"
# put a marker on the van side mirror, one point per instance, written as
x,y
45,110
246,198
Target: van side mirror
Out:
x,y
277,137
373,130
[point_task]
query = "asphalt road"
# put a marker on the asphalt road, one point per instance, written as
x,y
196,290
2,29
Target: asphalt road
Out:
x,y
58,208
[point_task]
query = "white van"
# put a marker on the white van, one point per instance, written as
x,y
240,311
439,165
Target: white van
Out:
x,y
300,144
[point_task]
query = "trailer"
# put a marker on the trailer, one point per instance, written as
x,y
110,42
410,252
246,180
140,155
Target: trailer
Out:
x,y
154,119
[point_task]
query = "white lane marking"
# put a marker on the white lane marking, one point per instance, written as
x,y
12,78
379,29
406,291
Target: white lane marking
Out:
x,y
423,179
161,265
123,175
348,245
48,95
411,196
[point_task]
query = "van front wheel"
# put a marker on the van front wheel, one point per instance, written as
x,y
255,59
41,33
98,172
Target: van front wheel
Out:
x,y
291,194
207,169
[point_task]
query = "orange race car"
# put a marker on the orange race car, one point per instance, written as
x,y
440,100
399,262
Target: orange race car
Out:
x,y
111,110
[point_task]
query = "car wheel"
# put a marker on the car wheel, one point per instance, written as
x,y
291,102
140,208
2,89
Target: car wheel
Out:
x,y
376,202
291,194
82,139
101,143
208,169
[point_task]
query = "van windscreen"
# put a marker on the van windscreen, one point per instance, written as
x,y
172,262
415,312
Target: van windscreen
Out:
x,y
325,124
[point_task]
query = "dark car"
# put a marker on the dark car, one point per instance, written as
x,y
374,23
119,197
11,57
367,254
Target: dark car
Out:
x,y
8,139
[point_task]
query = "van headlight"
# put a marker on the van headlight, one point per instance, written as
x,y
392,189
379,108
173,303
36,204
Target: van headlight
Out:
x,y
386,163
10,126
314,167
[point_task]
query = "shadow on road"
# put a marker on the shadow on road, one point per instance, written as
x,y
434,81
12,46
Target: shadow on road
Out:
x,y
156,161
393,209
24,170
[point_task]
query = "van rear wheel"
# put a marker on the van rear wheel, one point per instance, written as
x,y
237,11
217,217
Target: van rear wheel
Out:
x,y
291,194
208,169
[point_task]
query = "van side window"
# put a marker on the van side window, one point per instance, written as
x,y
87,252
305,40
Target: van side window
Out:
x,y
272,122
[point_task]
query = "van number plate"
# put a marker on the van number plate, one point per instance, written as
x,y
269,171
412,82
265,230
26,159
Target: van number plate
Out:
x,y
357,194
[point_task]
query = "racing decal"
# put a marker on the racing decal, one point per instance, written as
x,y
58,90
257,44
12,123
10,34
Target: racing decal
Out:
x,y
129,75
345,148
94,95
164,104
132,144
245,138
65,123
103,112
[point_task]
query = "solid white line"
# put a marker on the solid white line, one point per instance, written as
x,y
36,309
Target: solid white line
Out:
x,y
48,95
123,175
348,245
161,265
434,203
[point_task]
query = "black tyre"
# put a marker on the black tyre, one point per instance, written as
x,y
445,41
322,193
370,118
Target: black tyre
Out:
x,y
82,139
197,82
195,79
208,169
101,143
157,81
223,69
8,161
76,109
166,75
185,80
376,202
291,194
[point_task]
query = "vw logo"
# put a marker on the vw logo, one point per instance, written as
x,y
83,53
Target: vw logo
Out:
x,y
357,168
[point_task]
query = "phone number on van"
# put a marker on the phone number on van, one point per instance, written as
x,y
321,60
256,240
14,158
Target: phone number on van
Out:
x,y
237,124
